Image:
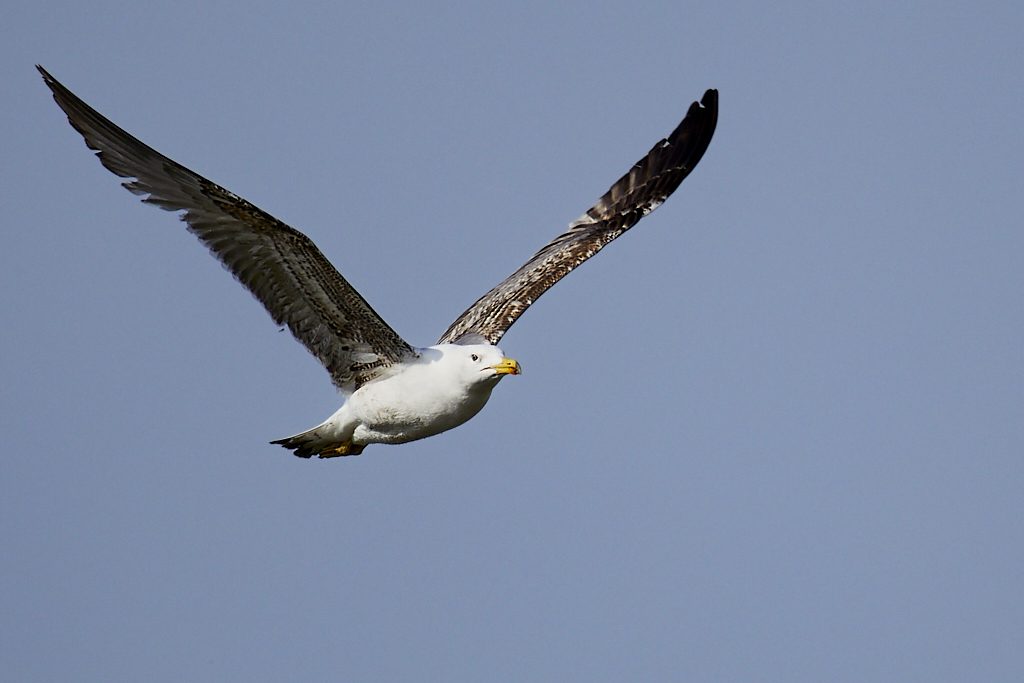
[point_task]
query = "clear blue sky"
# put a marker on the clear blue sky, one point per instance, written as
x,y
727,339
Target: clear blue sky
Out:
x,y
774,433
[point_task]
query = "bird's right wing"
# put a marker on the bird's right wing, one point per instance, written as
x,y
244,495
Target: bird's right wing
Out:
x,y
279,265
636,194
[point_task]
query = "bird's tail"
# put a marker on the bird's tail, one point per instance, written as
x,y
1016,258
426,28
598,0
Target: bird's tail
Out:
x,y
310,443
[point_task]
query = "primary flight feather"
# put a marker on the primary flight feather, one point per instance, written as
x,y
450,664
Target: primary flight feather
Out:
x,y
394,392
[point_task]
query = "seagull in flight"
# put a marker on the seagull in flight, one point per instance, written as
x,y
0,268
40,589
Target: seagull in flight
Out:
x,y
393,392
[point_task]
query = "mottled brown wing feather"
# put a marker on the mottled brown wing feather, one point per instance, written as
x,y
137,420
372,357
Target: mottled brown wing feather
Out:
x,y
636,194
279,265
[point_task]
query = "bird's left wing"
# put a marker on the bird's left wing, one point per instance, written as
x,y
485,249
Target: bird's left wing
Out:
x,y
636,194
279,265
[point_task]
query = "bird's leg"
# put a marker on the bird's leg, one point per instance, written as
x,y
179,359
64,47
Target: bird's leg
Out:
x,y
338,449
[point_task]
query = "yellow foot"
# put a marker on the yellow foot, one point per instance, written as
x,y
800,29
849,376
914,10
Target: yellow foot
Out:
x,y
301,447
337,449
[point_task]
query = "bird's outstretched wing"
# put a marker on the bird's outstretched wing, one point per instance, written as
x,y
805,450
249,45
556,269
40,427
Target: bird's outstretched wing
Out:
x,y
279,265
636,194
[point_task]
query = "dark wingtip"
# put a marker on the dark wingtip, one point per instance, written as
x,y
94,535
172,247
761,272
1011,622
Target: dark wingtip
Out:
x,y
710,99
50,81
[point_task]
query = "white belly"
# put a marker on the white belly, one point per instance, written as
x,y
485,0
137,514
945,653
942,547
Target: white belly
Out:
x,y
410,406
442,387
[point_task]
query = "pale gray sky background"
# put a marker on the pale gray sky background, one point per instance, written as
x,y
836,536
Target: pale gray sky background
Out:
x,y
774,433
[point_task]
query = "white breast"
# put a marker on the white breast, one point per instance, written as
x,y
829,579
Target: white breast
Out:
x,y
426,398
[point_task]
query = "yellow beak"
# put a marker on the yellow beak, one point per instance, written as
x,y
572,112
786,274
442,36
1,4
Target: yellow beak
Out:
x,y
507,366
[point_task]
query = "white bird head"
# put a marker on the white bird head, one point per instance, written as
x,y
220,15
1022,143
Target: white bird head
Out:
x,y
473,364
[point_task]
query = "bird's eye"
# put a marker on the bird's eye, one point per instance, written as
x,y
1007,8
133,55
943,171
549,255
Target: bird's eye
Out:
x,y
475,357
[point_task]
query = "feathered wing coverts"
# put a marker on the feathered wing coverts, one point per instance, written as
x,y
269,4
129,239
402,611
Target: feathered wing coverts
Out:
x,y
279,265
300,288
636,194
